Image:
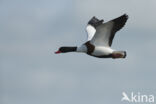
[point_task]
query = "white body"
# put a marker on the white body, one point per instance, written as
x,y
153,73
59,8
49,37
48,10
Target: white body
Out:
x,y
100,51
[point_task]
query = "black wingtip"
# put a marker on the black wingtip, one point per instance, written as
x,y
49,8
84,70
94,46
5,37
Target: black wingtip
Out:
x,y
125,15
119,22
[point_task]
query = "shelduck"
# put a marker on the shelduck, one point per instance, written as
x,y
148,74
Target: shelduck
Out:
x,y
100,38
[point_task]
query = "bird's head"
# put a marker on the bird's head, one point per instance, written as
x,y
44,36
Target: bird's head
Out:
x,y
65,49
61,50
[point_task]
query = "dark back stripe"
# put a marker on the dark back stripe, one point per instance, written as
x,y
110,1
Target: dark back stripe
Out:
x,y
90,48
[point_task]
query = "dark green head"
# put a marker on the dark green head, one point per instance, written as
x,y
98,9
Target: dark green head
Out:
x,y
66,49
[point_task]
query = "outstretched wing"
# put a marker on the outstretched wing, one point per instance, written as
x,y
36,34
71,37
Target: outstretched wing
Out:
x,y
90,31
91,27
105,32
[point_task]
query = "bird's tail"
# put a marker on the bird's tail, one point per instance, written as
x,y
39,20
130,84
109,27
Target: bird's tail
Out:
x,y
119,54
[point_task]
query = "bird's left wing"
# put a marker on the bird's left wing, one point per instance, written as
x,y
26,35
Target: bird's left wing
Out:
x,y
90,31
91,27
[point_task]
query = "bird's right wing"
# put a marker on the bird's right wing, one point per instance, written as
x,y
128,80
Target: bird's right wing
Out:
x,y
105,32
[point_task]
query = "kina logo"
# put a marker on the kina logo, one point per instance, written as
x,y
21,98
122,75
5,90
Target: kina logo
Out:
x,y
137,98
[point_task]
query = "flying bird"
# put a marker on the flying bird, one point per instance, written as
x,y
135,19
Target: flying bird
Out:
x,y
100,38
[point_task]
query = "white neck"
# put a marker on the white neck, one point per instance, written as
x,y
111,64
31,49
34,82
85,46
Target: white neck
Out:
x,y
82,48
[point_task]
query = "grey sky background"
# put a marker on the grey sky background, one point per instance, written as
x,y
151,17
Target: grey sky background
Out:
x,y
32,30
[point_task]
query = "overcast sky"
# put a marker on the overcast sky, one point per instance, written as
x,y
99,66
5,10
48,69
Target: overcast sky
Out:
x,y
32,30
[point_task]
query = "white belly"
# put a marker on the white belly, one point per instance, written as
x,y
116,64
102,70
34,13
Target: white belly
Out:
x,y
100,51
